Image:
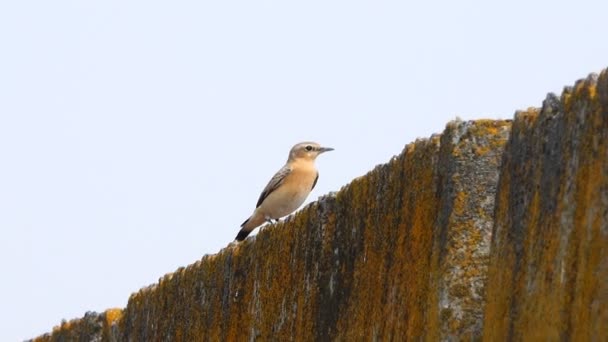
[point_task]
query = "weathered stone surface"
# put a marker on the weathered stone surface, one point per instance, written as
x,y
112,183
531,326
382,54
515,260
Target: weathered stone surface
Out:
x,y
548,277
364,263
93,327
354,265
468,171
484,232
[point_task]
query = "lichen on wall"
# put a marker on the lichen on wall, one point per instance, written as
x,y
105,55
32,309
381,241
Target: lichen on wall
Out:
x,y
354,265
463,230
493,230
549,268
92,327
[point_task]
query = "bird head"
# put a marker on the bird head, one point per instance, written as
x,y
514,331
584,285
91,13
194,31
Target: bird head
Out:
x,y
307,150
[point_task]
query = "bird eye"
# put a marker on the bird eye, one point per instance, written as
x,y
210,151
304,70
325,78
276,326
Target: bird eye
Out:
x,y
308,148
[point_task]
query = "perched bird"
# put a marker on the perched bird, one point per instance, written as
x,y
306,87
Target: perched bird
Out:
x,y
288,188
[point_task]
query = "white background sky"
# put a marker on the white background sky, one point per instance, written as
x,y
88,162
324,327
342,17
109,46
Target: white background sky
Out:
x,y
135,137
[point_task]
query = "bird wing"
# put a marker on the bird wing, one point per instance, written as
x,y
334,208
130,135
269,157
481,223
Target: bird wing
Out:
x,y
274,183
315,182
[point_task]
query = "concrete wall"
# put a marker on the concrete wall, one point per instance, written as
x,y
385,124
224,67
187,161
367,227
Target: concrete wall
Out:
x,y
481,232
548,274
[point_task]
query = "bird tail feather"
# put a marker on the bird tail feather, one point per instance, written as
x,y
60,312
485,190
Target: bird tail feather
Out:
x,y
249,225
242,234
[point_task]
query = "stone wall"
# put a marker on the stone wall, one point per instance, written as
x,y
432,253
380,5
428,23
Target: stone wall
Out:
x,y
481,232
548,275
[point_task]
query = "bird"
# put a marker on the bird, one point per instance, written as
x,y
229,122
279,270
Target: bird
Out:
x,y
288,188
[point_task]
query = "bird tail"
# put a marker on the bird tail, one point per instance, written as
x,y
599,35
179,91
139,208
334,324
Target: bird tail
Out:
x,y
242,234
249,225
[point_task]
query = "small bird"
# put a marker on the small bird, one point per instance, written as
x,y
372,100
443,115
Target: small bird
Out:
x,y
288,188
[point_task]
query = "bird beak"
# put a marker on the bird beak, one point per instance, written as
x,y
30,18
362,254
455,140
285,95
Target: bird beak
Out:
x,y
325,149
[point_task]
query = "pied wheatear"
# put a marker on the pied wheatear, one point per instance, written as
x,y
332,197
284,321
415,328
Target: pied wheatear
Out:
x,y
288,188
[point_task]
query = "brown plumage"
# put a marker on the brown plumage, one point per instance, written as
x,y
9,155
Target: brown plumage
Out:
x,y
288,188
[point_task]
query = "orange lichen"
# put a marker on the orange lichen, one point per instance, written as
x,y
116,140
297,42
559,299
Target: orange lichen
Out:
x,y
113,315
403,252
550,259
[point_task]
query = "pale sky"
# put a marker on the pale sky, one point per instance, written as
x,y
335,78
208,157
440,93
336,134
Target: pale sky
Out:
x,y
135,137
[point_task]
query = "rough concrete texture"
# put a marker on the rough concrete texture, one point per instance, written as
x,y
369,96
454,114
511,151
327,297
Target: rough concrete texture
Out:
x,y
480,233
548,275
468,175
93,327
363,263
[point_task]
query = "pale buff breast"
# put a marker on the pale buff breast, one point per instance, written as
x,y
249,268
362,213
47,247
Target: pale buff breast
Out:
x,y
291,194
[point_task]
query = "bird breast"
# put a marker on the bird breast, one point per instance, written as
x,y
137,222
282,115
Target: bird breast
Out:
x,y
291,194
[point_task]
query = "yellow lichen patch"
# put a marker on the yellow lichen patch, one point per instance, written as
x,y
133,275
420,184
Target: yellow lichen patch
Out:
x,y
592,91
460,202
113,315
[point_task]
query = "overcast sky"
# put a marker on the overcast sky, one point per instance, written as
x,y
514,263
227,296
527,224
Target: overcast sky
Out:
x,y
135,137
